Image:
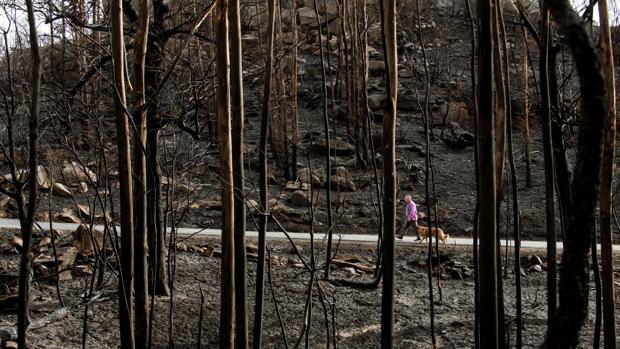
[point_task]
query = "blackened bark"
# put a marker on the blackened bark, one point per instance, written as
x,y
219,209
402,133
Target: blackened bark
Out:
x,y
607,260
27,222
227,299
574,275
155,221
264,194
126,312
487,223
388,36
237,111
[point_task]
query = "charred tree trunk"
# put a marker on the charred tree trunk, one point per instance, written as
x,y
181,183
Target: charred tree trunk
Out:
x,y
139,183
236,95
365,149
155,213
328,162
264,194
487,222
388,33
516,221
295,112
607,260
126,281
560,163
549,168
227,304
526,112
502,114
26,222
574,275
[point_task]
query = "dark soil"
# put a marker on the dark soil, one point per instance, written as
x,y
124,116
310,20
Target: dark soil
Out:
x,y
356,312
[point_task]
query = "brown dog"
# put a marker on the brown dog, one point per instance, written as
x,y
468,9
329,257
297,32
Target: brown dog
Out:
x,y
437,233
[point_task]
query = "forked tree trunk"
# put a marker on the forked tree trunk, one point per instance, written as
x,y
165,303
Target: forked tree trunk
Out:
x,y
264,194
388,37
126,312
26,222
574,275
609,294
227,303
487,222
139,184
236,99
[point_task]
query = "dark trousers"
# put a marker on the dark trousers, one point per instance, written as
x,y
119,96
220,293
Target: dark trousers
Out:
x,y
406,226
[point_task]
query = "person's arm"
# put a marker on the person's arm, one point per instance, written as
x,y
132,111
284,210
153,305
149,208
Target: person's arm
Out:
x,y
414,212
411,212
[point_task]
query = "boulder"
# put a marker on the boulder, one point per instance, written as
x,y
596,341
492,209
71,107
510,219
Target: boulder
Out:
x,y
82,188
338,147
307,16
342,183
84,211
341,171
87,240
295,213
43,178
67,215
408,101
75,173
376,101
456,112
17,242
366,212
456,137
46,265
299,198
376,67
310,177
43,243
61,190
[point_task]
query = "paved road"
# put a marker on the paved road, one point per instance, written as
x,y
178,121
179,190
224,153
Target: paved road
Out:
x,y
8,223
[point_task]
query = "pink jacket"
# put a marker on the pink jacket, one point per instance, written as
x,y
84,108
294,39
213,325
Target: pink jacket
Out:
x,y
412,212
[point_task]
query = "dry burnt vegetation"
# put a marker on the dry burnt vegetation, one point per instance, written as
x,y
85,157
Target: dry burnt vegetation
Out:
x,y
135,119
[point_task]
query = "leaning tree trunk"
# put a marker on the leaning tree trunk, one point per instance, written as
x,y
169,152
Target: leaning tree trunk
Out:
x,y
487,221
264,194
227,303
27,223
126,312
236,99
574,275
139,184
609,298
388,36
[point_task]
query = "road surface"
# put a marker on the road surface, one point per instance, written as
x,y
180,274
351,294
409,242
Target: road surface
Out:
x,y
8,223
